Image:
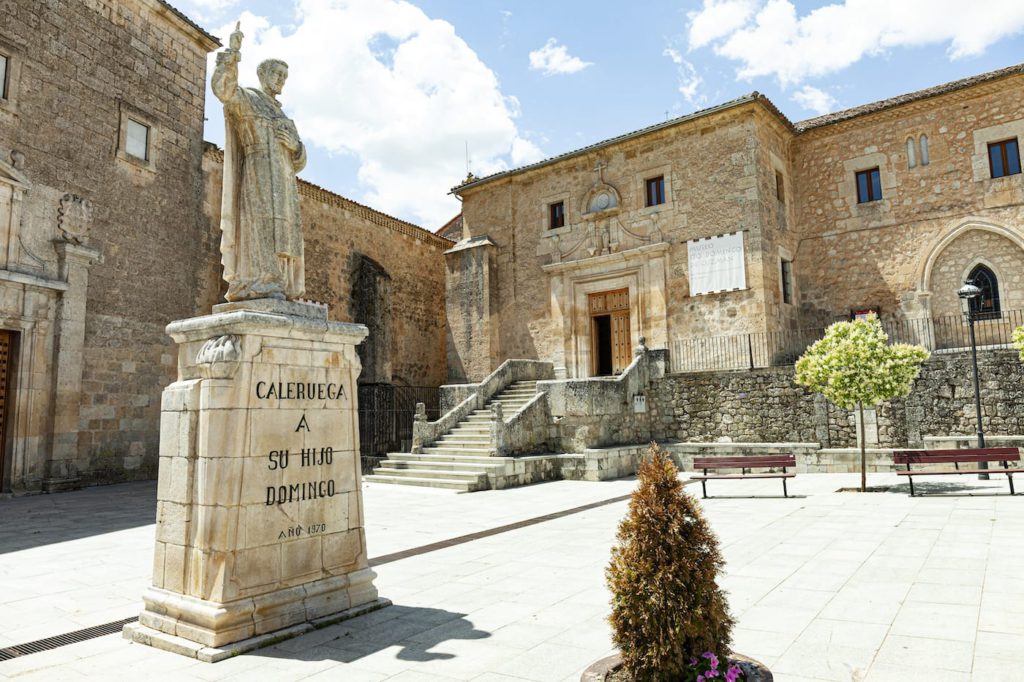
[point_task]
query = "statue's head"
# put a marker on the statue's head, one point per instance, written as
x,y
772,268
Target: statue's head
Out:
x,y
272,74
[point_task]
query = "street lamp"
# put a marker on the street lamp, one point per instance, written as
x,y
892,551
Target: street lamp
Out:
x,y
969,293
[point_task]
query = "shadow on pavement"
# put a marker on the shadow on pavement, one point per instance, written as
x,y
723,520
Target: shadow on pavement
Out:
x,y
36,520
415,630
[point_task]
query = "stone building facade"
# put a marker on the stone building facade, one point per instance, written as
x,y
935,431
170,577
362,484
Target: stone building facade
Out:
x,y
106,235
104,240
887,207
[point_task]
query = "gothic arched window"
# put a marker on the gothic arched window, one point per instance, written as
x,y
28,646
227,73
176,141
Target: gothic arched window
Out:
x,y
986,305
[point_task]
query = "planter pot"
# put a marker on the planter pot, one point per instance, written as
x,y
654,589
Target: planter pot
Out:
x,y
752,670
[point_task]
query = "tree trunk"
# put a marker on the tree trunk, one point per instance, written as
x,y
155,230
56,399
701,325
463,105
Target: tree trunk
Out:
x,y
863,451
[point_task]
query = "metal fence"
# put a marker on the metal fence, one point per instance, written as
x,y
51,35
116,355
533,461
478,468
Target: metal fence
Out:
x,y
776,349
386,415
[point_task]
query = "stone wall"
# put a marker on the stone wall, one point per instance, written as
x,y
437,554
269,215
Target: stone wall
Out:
x,y
78,71
907,254
765,405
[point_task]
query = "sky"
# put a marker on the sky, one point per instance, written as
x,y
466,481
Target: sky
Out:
x,y
397,99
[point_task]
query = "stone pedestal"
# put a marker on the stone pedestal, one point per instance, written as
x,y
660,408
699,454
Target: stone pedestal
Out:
x,y
259,530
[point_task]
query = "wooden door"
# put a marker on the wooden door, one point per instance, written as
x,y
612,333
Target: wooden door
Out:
x,y
612,347
6,352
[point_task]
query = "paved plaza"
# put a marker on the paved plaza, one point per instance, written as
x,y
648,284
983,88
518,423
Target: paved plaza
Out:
x,y
824,586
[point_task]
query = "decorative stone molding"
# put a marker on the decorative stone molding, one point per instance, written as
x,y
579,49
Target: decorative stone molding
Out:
x,y
218,358
74,218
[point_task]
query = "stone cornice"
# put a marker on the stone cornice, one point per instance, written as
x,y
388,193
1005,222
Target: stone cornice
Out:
x,y
607,259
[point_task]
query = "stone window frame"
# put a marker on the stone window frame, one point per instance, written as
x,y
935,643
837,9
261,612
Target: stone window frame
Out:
x,y
973,264
9,91
786,257
847,186
779,170
150,163
640,185
997,133
544,209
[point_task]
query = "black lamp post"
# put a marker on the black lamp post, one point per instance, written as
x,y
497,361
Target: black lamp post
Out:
x,y
968,294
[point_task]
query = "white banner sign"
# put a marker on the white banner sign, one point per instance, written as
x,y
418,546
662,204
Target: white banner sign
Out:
x,y
717,264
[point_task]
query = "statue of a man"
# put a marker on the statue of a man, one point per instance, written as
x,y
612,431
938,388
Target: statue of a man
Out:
x,y
261,242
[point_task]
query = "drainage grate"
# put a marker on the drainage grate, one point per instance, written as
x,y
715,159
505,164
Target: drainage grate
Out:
x,y
63,640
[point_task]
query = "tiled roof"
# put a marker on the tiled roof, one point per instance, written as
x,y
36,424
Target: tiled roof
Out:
x,y
746,99
881,105
181,15
797,128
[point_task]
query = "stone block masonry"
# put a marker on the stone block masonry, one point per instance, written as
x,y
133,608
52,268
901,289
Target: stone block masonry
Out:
x,y
765,405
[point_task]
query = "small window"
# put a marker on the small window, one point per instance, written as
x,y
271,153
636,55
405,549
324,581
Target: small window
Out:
x,y
1004,158
780,189
137,140
986,305
3,76
556,213
911,153
869,186
787,281
656,191
924,150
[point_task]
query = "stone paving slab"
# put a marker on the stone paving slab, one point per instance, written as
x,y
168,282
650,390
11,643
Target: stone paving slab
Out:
x,y
825,586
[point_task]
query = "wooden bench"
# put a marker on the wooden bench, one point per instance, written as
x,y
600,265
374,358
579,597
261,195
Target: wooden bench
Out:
x,y
956,458
744,464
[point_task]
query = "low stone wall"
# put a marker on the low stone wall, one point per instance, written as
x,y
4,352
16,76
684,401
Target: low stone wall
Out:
x,y
765,405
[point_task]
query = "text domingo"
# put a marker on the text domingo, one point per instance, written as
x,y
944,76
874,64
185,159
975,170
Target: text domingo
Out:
x,y
297,492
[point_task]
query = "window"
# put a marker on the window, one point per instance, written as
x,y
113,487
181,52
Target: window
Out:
x,y
924,150
3,76
780,190
787,281
137,140
556,214
911,153
1004,158
986,305
656,191
869,186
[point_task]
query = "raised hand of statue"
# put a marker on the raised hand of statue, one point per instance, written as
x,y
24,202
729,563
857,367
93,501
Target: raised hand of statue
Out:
x,y
235,41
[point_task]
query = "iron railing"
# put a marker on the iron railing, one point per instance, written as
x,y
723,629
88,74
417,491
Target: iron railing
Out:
x,y
386,416
777,349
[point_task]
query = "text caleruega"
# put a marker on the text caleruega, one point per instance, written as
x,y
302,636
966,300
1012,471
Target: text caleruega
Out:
x,y
299,390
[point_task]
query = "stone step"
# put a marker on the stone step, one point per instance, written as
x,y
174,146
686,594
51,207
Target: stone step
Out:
x,y
468,459
436,464
435,450
448,442
463,486
447,474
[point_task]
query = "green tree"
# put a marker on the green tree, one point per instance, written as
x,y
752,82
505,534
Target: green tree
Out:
x,y
666,604
853,365
1018,341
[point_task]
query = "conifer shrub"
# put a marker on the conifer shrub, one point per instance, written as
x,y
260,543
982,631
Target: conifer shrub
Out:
x,y
667,608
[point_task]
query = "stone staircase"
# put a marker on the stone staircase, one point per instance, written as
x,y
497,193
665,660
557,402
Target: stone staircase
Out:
x,y
461,459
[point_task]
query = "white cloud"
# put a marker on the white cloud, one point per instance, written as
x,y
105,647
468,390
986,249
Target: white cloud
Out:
x,y
689,80
717,19
815,99
206,10
773,40
401,92
554,59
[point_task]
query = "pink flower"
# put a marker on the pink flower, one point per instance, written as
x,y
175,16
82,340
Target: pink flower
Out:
x,y
712,659
733,673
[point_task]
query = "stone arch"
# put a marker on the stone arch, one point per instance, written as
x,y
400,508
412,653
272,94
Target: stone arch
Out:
x,y
962,248
371,305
